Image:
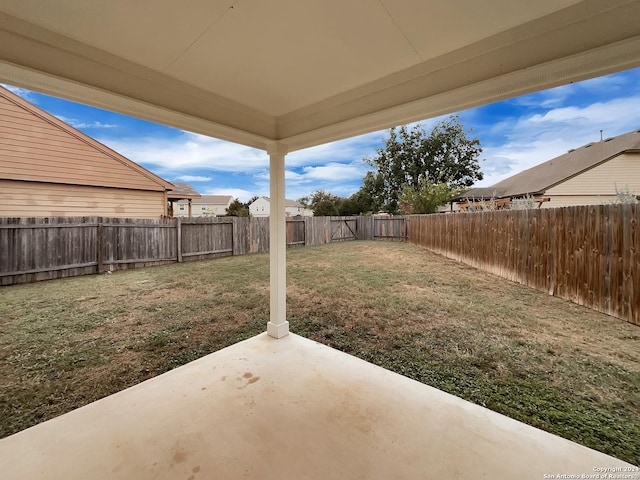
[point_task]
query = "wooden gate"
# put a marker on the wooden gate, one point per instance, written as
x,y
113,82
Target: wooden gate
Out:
x,y
343,229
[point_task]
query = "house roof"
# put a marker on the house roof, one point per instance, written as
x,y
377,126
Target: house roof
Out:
x,y
35,138
182,191
287,202
288,75
212,200
292,203
538,179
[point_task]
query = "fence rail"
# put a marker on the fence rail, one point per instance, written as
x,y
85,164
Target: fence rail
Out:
x,y
33,249
589,255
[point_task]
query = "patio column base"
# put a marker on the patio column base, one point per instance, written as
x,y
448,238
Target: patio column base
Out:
x,y
278,331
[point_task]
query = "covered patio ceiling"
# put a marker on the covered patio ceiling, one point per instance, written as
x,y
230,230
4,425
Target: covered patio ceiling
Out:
x,y
306,72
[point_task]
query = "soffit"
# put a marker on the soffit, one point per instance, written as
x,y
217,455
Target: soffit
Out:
x,y
305,72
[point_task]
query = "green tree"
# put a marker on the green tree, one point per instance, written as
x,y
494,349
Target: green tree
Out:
x,y
322,203
410,158
369,192
427,198
237,209
360,203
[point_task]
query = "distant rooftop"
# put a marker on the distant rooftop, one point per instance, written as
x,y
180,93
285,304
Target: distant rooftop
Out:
x,y
538,179
213,200
182,191
287,202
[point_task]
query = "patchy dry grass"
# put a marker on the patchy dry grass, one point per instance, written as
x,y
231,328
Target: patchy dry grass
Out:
x,y
539,359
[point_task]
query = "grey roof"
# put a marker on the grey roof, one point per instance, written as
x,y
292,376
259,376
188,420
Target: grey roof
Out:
x,y
211,200
214,199
287,202
540,178
182,190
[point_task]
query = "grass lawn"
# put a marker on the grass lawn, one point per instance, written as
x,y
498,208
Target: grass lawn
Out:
x,y
538,359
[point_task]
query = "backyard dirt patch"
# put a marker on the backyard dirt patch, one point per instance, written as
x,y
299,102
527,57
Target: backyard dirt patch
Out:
x,y
539,359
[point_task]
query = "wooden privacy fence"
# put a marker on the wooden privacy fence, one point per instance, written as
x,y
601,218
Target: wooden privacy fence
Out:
x,y
390,228
589,255
33,249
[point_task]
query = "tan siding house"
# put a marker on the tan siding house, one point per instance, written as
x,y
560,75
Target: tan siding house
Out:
x,y
590,175
48,168
261,207
203,206
37,199
601,182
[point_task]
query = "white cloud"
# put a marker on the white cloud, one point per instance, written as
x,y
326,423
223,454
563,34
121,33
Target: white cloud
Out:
x,y
336,172
604,86
291,177
537,138
546,98
21,92
595,116
335,167
198,138
348,149
190,151
79,124
193,178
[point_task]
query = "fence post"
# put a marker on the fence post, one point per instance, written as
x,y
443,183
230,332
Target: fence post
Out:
x,y
233,234
179,238
100,247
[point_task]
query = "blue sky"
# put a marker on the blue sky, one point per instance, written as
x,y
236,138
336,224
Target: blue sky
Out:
x,y
515,134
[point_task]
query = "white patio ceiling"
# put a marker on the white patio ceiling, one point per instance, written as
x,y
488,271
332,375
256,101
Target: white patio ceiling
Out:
x,y
305,72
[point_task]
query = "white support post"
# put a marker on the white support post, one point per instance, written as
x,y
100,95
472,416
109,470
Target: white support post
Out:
x,y
278,325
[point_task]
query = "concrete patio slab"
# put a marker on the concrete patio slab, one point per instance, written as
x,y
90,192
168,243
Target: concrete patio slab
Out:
x,y
289,409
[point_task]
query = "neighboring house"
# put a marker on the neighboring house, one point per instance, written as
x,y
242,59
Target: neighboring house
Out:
x,y
590,175
181,191
261,208
50,169
205,206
